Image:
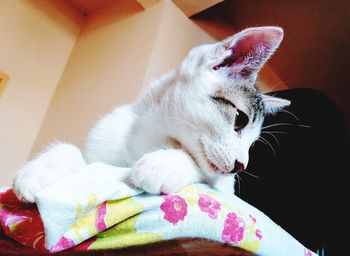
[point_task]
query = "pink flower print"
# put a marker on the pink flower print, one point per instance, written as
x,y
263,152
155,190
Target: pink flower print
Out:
x,y
234,227
258,234
12,221
174,207
63,243
209,205
100,215
307,252
252,218
85,245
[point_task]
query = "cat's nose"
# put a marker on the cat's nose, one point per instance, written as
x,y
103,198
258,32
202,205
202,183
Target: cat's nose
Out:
x,y
239,167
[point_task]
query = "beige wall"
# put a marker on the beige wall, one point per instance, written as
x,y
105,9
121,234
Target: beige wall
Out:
x,y
34,49
176,36
114,57
106,68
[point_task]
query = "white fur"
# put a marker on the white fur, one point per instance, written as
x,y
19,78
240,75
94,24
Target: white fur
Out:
x,y
178,107
49,166
165,170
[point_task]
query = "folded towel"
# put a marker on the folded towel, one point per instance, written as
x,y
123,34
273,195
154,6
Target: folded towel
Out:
x,y
93,208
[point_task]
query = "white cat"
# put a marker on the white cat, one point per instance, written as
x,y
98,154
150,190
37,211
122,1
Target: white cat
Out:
x,y
194,124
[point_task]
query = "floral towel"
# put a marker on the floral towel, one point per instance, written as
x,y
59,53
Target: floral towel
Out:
x,y
93,208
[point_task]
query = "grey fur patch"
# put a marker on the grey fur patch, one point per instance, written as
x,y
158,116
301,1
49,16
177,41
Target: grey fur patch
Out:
x,y
255,103
249,95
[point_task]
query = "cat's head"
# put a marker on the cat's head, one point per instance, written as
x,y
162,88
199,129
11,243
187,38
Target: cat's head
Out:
x,y
211,104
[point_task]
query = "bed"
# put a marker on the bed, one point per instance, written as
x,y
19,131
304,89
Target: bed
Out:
x,y
93,212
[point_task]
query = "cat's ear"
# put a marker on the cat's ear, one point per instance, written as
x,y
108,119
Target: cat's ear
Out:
x,y
243,54
273,104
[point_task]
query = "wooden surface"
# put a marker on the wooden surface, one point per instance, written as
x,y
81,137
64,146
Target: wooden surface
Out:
x,y
194,246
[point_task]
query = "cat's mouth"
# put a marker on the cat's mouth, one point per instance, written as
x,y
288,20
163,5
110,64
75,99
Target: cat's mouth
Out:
x,y
175,143
213,166
209,163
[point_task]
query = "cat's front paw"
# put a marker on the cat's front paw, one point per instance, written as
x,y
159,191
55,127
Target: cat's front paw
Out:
x,y
28,182
51,165
164,171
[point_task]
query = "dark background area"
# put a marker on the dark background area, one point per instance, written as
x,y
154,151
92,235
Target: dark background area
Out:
x,y
302,179
315,52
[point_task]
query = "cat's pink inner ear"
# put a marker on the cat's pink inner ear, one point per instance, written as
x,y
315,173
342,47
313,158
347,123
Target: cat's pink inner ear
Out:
x,y
250,50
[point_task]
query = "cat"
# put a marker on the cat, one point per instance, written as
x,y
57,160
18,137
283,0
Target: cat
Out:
x,y
194,124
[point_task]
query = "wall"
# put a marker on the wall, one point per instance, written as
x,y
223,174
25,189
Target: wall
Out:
x,y
106,68
114,56
175,47
176,36
35,46
117,53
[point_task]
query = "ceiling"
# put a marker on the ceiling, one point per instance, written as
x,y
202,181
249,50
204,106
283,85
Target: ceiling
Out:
x,y
89,7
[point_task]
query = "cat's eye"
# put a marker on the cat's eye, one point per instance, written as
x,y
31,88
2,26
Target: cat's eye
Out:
x,y
223,101
241,120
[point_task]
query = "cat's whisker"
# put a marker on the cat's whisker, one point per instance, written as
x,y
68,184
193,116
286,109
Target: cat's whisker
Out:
x,y
290,113
265,141
273,86
253,175
304,125
277,132
273,125
239,179
285,124
273,136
